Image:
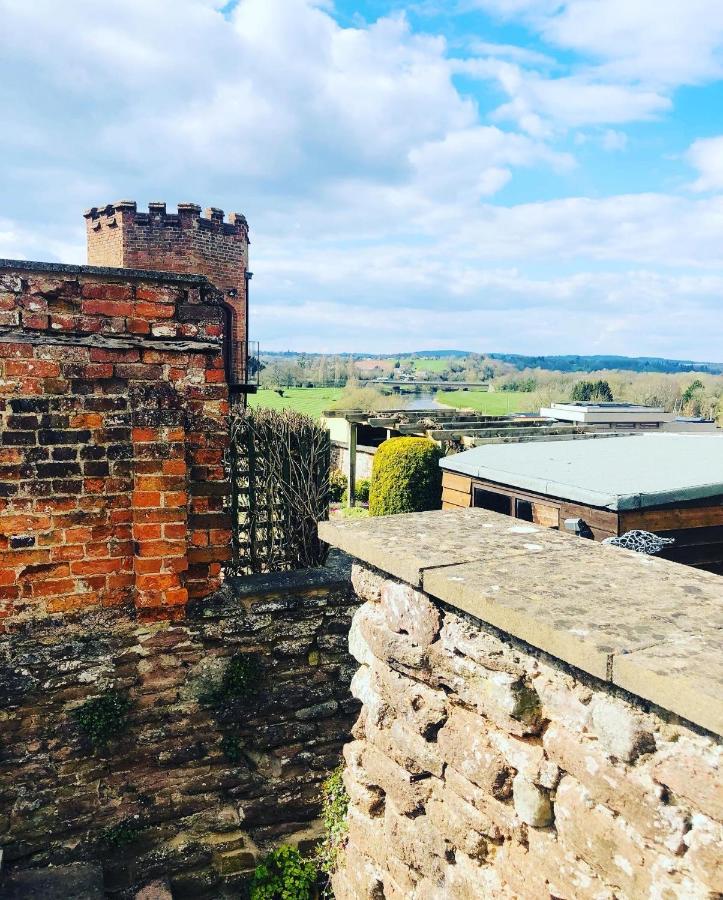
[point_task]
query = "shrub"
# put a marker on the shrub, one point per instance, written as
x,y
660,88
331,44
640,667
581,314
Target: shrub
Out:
x,y
363,486
406,477
337,486
284,875
361,494
103,718
334,809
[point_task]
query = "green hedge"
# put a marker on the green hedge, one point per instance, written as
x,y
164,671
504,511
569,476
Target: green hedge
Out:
x,y
406,477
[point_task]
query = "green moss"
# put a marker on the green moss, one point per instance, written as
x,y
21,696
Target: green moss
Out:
x,y
237,689
231,747
123,834
103,718
240,681
406,477
284,875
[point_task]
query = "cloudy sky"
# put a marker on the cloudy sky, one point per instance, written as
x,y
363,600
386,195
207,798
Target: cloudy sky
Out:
x,y
533,176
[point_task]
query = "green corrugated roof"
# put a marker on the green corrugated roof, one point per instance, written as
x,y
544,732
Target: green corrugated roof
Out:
x,y
628,472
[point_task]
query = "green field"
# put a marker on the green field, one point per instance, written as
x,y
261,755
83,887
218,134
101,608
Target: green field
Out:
x,y
312,401
427,363
497,403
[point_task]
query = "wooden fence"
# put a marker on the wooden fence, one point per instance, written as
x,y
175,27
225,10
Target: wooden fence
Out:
x,y
279,464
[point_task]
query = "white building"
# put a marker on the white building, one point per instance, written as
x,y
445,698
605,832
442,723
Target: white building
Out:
x,y
619,416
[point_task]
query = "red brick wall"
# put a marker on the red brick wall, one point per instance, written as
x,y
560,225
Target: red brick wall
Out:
x,y
113,404
118,235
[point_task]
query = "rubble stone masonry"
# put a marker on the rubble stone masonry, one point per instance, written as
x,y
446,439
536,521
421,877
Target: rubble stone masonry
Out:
x,y
191,791
486,766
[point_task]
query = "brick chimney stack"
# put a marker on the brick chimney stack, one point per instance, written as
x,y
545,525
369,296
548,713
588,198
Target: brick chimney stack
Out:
x,y
184,242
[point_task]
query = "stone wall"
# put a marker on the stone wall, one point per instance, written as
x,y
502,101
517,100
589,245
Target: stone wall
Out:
x,y
113,404
194,788
364,459
483,766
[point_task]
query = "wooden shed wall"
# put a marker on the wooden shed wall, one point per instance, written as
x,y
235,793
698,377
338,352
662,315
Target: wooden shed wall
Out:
x,y
697,526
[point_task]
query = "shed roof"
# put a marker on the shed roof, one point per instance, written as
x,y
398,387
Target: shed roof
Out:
x,y
628,472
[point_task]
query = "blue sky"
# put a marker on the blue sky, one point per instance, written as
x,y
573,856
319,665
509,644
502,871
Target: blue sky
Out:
x,y
533,176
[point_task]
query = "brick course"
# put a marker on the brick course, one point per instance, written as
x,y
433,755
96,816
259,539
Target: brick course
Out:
x,y
113,406
119,235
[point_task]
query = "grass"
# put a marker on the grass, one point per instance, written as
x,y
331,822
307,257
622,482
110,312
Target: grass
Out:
x,y
312,401
497,403
353,512
427,363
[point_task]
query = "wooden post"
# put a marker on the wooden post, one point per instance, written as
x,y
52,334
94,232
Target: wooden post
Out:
x,y
351,468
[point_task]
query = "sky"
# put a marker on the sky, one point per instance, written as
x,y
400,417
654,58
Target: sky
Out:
x,y
527,176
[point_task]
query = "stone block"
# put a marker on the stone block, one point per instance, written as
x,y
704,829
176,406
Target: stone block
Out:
x,y
410,612
359,878
362,687
614,850
693,774
398,651
415,843
532,803
506,699
463,741
367,800
366,836
421,707
407,748
367,582
458,823
155,890
358,646
408,791
80,881
622,731
500,820
626,790
563,700
705,853
459,635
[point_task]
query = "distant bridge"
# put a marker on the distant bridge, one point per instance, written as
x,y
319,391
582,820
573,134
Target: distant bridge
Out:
x,y
440,385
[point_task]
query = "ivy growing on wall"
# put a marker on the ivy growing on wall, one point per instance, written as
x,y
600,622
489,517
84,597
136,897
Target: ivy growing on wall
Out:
x,y
334,810
234,693
103,718
122,834
284,873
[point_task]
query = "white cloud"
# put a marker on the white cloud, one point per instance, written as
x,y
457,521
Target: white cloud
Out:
x,y
516,54
629,57
661,42
371,182
706,155
614,140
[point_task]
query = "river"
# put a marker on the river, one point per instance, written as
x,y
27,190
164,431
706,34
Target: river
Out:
x,y
420,401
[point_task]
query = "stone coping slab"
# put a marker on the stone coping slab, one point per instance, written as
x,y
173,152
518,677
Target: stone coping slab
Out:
x,y
122,274
650,626
406,545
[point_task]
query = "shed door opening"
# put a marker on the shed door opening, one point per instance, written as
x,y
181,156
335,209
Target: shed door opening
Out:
x,y
482,499
523,510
